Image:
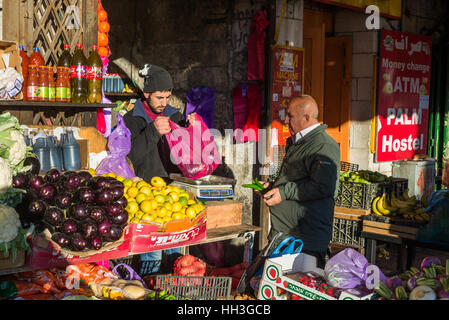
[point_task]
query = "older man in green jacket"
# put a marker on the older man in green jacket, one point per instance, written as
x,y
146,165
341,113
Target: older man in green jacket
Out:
x,y
301,199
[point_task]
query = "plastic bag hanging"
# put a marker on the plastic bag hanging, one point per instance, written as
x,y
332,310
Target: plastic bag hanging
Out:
x,y
193,149
119,145
201,100
256,46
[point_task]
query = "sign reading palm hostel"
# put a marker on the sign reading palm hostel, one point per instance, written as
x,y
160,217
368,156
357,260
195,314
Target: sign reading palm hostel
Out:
x,y
403,95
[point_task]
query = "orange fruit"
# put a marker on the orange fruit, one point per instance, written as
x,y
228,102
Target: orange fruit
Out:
x,y
102,15
104,27
103,39
103,51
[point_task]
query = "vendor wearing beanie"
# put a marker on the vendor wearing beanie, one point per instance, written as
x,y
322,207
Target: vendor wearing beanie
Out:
x,y
148,123
150,153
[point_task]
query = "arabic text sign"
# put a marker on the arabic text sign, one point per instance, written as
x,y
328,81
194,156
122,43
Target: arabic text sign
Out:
x,y
403,97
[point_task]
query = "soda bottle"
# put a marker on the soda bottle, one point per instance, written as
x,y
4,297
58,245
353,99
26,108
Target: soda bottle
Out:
x,y
94,76
68,90
78,76
25,60
65,58
36,58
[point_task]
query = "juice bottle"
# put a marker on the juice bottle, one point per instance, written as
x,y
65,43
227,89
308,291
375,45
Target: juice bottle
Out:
x,y
78,76
32,85
94,76
61,88
66,58
43,83
67,84
36,58
25,60
51,84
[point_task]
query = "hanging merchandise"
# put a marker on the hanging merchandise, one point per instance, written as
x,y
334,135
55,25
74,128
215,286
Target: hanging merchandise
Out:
x,y
247,101
103,115
202,101
256,46
25,62
78,76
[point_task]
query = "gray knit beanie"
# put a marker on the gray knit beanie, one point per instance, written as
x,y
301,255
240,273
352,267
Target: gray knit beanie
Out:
x,y
156,79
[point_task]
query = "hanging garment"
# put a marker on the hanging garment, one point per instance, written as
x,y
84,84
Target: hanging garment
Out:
x,y
256,46
247,101
202,101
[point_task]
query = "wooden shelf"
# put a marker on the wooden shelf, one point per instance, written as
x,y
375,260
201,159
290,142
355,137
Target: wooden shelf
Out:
x,y
49,105
122,94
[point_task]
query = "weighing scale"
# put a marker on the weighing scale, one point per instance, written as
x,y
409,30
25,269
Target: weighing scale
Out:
x,y
208,188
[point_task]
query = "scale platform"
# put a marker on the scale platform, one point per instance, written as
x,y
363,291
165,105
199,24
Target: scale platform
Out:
x,y
208,188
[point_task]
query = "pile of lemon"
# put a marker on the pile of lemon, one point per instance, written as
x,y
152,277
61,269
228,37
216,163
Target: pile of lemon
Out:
x,y
158,202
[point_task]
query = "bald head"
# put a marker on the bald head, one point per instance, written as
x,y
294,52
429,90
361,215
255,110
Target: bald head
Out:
x,y
305,104
302,112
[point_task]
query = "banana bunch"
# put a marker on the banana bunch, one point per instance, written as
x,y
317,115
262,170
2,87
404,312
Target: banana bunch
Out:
x,y
127,89
404,206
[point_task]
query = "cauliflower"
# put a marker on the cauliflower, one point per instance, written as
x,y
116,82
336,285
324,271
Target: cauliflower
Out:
x,y
5,176
18,150
9,224
12,142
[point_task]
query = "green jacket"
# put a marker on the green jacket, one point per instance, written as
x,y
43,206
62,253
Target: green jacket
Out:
x,y
308,181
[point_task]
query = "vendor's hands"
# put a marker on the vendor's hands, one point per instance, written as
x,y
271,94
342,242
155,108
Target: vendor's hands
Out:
x,y
162,125
272,197
191,118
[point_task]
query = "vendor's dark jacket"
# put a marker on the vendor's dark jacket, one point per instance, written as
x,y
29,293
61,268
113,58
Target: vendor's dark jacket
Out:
x,y
150,153
308,181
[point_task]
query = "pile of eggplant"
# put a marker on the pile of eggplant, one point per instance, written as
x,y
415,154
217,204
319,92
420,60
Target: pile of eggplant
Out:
x,y
81,211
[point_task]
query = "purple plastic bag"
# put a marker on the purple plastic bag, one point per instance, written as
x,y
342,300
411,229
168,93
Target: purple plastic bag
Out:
x,y
201,100
348,269
119,145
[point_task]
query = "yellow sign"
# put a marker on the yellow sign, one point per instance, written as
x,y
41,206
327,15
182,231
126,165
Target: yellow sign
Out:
x,y
388,8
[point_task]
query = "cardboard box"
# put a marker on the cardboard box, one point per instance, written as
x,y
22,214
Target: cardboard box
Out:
x,y
47,254
147,237
15,61
7,263
275,279
224,213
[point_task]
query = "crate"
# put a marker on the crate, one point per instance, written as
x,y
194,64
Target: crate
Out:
x,y
195,288
358,195
348,232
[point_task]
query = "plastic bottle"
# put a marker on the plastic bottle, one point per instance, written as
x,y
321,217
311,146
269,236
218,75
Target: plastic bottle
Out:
x,y
71,152
78,76
67,84
36,58
33,84
61,89
43,83
51,84
94,76
25,62
42,151
65,59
